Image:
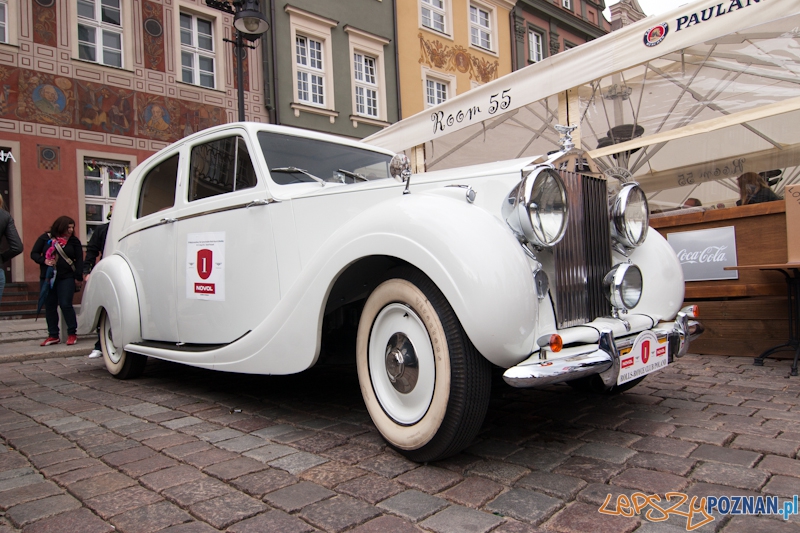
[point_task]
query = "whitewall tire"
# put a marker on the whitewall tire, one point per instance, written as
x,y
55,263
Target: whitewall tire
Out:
x,y
424,384
120,363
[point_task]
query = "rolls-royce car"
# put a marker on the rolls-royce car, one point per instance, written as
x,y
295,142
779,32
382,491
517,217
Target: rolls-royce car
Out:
x,y
240,247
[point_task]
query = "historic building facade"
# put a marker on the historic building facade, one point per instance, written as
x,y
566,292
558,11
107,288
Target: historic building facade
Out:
x,y
543,28
447,47
333,65
90,88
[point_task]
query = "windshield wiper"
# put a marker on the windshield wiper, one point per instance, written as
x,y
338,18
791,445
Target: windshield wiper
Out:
x,y
352,175
298,170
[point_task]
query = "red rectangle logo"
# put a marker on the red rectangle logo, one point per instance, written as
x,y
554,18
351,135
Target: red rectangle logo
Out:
x,y
204,288
627,362
661,350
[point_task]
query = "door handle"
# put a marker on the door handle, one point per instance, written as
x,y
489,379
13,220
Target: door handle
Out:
x,y
167,220
258,202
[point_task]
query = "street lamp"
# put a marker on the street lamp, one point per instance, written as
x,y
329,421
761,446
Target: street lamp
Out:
x,y
250,24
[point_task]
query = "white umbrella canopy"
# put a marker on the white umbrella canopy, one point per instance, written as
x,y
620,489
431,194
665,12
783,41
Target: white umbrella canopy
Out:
x,y
700,94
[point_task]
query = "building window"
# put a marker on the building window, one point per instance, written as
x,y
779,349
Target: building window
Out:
x,y
567,4
366,84
100,31
433,15
3,22
480,28
102,181
310,71
197,51
435,92
535,46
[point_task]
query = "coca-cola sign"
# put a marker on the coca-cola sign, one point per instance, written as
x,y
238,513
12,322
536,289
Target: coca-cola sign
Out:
x,y
705,253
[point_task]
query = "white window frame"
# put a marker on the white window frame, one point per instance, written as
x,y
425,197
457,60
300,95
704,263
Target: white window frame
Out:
x,y
195,51
125,29
477,30
310,26
105,200
535,55
100,29
566,4
434,76
309,62
368,45
446,11
4,23
430,9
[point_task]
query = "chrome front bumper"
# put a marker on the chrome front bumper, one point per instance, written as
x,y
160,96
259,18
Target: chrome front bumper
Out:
x,y
603,358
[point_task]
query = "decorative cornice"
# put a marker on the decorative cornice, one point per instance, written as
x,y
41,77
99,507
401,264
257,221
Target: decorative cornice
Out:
x,y
303,13
366,34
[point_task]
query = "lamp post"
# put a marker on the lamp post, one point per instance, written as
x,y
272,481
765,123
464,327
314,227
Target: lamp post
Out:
x,y
250,24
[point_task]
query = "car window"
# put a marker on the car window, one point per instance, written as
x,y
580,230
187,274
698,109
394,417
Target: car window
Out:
x,y
158,187
220,166
286,155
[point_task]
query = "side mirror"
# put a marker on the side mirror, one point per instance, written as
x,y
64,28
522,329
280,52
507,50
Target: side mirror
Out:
x,y
400,167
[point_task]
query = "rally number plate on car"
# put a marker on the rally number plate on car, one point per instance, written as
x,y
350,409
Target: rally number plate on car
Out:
x,y
647,355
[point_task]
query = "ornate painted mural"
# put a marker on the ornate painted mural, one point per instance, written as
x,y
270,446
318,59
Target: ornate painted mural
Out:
x,y
44,22
59,101
456,58
153,15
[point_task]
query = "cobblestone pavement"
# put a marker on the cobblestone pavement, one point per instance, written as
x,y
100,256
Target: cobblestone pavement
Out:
x,y
183,450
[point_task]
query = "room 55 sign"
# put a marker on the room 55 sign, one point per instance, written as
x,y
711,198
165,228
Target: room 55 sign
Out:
x,y
205,266
705,253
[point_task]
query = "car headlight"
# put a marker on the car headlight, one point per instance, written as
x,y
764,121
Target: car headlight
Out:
x,y
537,208
623,286
630,216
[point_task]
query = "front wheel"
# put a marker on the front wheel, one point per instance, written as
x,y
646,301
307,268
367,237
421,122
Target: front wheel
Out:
x,y
425,385
120,363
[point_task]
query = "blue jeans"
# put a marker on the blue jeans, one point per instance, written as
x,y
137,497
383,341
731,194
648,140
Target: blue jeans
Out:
x,y
60,296
2,281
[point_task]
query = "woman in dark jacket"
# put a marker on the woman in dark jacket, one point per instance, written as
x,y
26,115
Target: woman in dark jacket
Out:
x,y
68,277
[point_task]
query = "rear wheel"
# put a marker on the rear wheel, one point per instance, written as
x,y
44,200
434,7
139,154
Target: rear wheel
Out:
x,y
120,363
425,385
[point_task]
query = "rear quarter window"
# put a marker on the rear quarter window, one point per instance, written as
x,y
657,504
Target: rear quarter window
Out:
x,y
158,187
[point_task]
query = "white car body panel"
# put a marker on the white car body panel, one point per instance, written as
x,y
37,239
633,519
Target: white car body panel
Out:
x,y
284,257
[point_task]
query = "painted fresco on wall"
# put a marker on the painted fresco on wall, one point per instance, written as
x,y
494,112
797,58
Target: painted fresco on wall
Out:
x,y
153,15
9,81
104,108
196,117
55,100
451,58
49,157
44,22
45,98
157,117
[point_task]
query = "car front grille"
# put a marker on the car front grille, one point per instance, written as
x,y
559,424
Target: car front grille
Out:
x,y
583,257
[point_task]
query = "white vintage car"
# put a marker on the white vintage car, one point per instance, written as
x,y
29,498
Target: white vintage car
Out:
x,y
236,248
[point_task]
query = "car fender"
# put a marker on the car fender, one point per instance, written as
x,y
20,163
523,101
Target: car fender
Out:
x,y
111,287
470,255
662,277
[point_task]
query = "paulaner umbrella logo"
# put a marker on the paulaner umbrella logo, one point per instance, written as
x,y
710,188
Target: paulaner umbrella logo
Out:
x,y
656,34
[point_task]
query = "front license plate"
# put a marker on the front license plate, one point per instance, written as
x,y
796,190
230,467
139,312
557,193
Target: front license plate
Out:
x,y
647,355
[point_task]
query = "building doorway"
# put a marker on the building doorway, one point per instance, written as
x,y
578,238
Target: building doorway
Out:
x,y
5,191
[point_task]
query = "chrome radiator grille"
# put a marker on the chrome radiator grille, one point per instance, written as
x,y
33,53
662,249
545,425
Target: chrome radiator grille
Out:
x,y
583,257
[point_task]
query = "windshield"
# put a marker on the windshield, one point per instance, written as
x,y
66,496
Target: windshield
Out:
x,y
294,159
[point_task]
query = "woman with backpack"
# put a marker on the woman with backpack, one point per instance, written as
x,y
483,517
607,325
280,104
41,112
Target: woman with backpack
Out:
x,y
60,250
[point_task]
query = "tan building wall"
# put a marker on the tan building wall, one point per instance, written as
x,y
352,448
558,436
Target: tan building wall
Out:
x,y
449,57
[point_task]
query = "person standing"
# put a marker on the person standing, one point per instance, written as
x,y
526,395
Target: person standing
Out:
x,y
94,252
9,230
67,264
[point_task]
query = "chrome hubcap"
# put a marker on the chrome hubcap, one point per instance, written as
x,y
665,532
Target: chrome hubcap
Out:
x,y
402,366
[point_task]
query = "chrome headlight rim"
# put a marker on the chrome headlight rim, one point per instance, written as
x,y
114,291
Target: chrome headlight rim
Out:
x,y
622,229
526,216
615,281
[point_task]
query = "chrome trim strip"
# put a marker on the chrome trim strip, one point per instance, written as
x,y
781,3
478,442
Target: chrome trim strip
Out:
x,y
163,221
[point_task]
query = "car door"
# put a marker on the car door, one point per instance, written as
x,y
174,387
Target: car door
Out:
x,y
148,244
227,279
